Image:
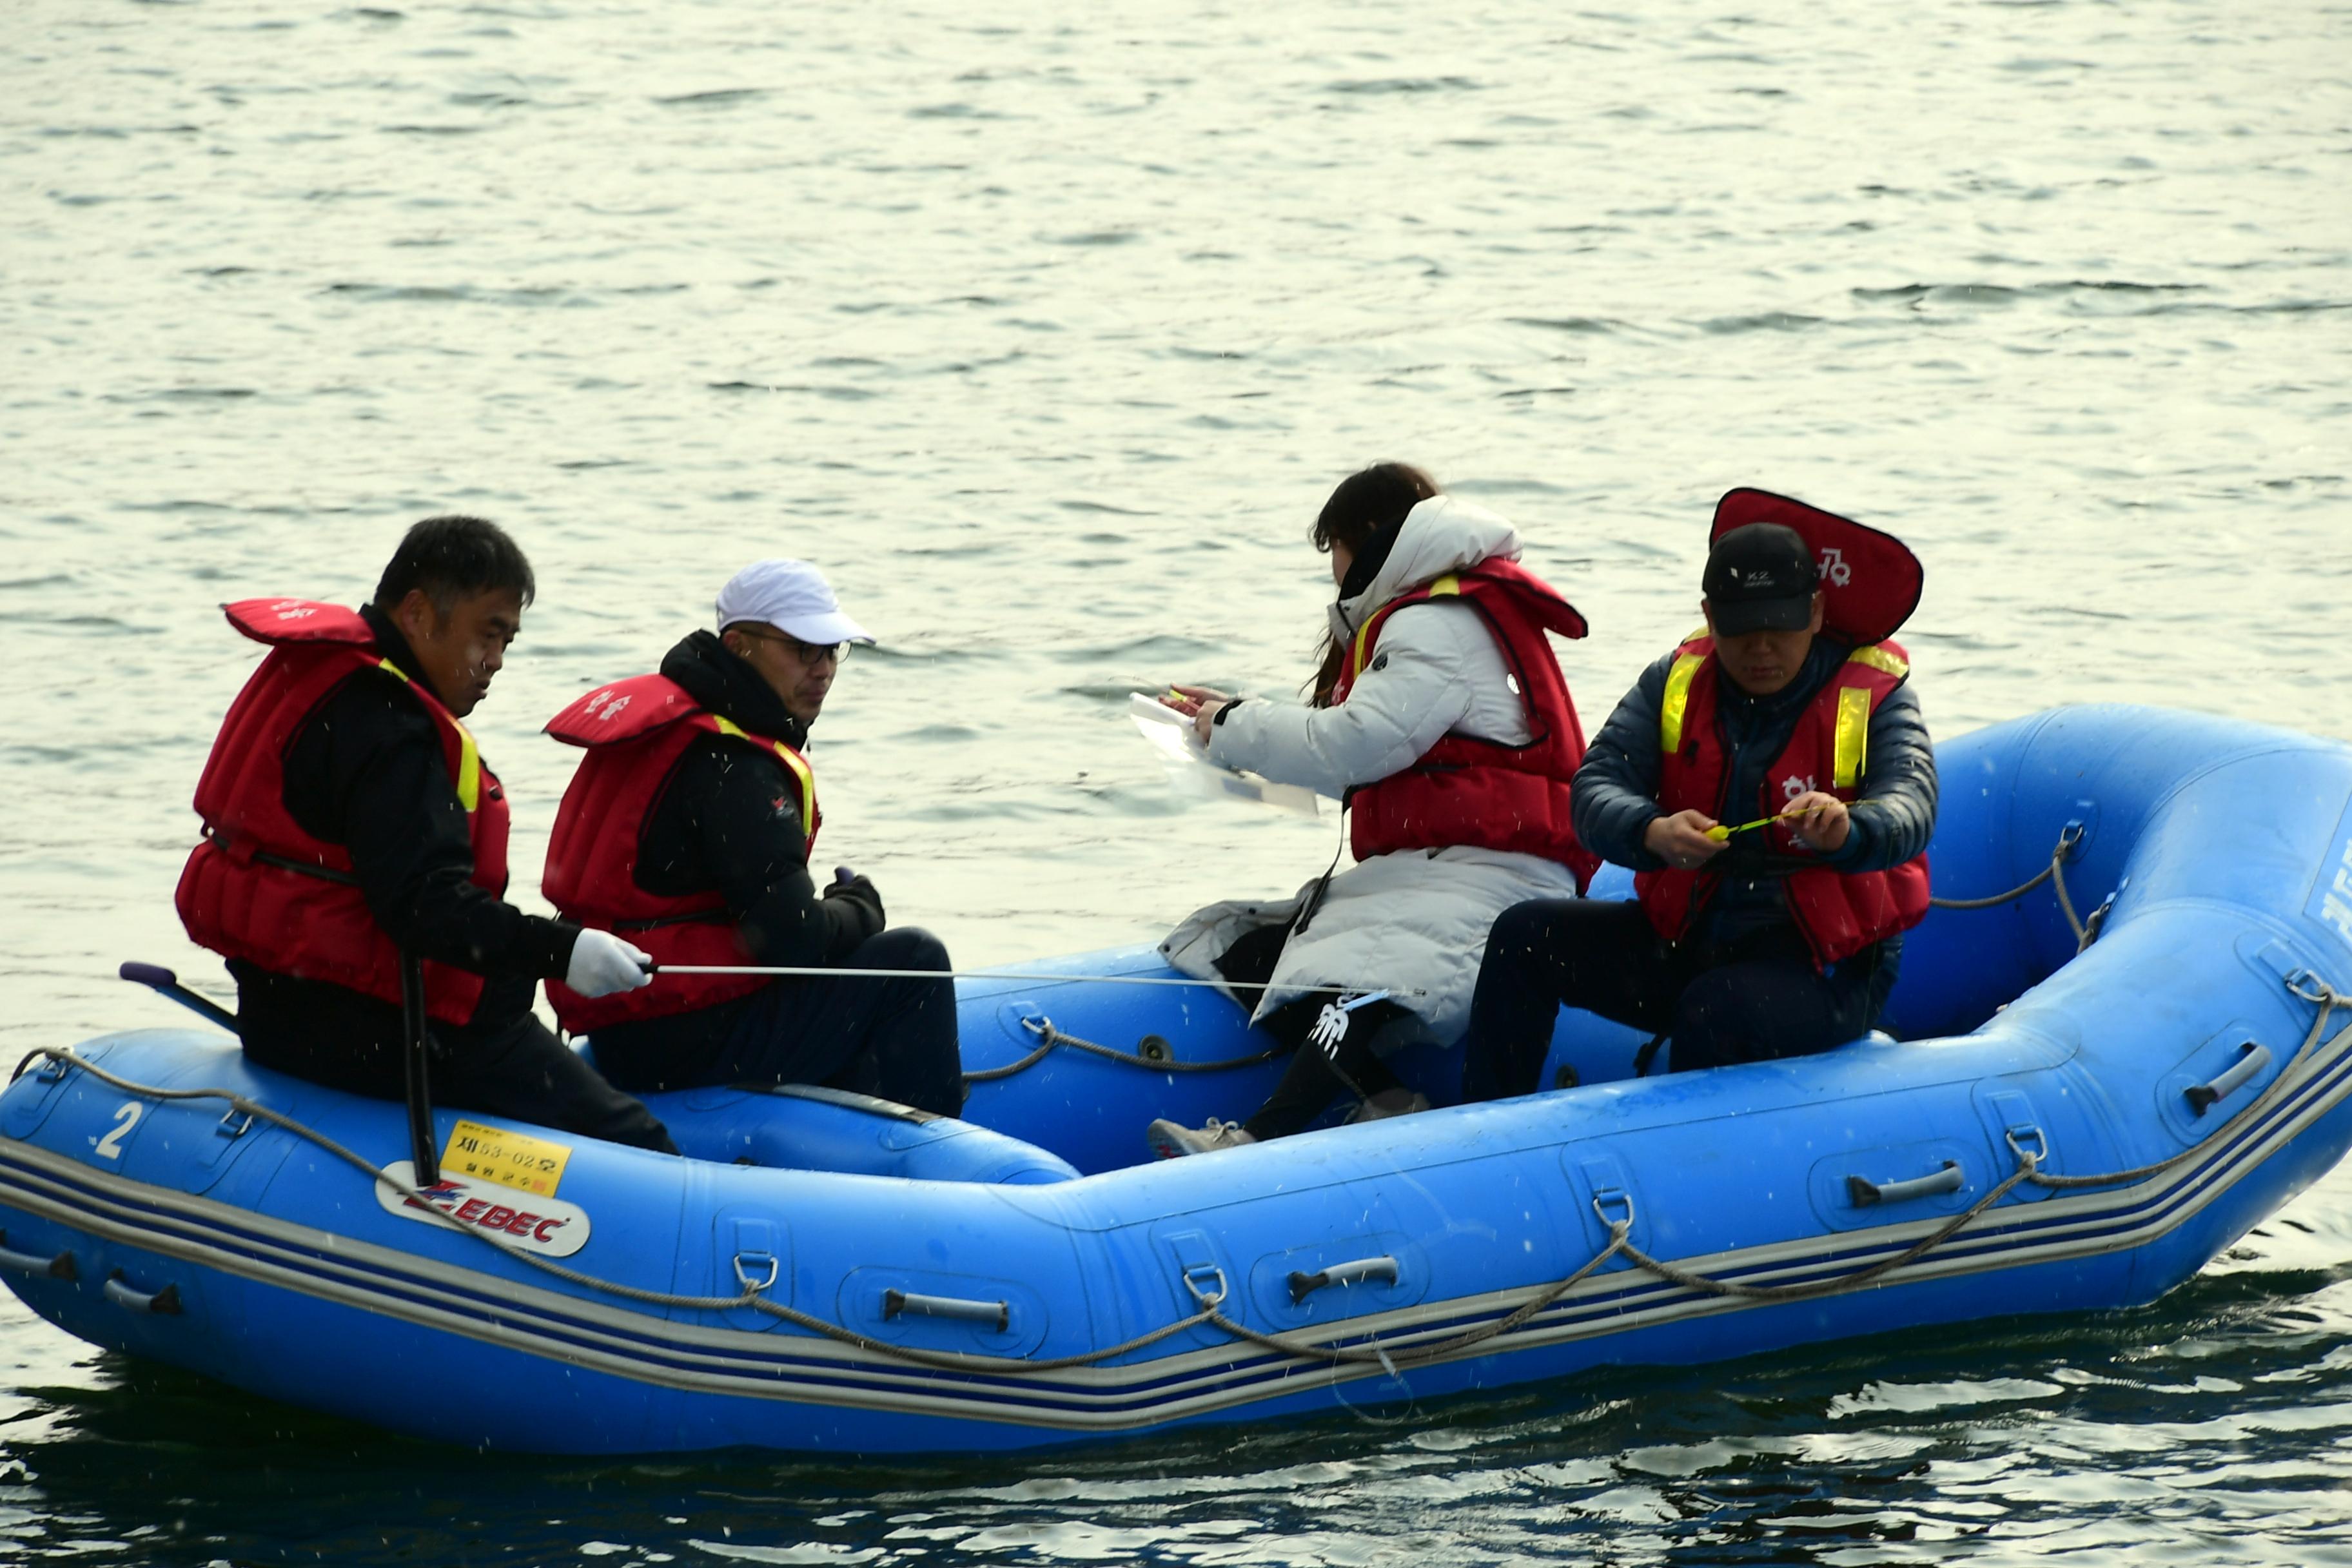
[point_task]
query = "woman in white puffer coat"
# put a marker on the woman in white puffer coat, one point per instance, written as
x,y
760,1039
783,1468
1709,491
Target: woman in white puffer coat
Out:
x,y
1442,717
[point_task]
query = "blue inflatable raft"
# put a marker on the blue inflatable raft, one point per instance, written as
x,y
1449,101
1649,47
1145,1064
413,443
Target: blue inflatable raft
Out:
x,y
2057,1132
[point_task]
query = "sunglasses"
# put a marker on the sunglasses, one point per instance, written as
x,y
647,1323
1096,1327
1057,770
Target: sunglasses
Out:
x,y
806,652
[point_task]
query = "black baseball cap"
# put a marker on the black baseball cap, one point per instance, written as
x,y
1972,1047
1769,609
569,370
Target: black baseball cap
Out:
x,y
1760,578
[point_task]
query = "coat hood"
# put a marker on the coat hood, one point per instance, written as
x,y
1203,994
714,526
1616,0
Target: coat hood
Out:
x,y
1443,533
732,688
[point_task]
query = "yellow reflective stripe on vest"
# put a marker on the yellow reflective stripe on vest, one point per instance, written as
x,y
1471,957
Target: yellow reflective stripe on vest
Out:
x,y
1877,657
1677,702
1447,587
469,769
469,755
1853,745
1363,633
800,769
1851,752
792,761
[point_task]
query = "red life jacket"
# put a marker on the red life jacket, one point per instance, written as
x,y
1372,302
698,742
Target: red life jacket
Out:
x,y
1482,794
635,731
259,888
1840,913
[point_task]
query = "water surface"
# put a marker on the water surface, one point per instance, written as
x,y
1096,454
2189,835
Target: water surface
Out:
x,y
1045,329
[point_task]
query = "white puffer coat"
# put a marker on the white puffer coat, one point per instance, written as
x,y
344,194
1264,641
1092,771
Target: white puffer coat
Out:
x,y
1416,917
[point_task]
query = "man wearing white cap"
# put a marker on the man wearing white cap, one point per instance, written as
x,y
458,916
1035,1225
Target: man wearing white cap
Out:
x,y
689,827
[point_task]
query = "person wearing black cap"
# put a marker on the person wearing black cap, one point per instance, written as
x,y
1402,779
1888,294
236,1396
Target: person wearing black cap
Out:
x,y
1772,784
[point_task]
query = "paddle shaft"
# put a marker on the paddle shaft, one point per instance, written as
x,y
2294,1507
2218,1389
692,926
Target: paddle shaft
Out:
x,y
416,1042
165,982
801,971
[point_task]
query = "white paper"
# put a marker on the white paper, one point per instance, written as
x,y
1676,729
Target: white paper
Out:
x,y
1189,769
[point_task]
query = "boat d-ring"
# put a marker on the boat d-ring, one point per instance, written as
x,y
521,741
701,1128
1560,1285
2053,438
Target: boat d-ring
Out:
x,y
744,1278
1192,1283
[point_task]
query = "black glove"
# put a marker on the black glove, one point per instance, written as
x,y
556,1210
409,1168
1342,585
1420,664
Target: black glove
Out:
x,y
857,900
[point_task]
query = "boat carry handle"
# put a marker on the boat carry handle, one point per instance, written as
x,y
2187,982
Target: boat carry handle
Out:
x,y
2251,1060
1865,1193
61,1266
1303,1284
165,1302
998,1315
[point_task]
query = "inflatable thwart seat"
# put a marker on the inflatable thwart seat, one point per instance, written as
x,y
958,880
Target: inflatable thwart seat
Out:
x,y
806,1127
2054,1131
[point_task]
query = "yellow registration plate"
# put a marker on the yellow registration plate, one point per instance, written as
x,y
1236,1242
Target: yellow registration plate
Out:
x,y
500,1154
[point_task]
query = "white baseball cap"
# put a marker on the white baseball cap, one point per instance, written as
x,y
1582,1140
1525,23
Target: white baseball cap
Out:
x,y
792,596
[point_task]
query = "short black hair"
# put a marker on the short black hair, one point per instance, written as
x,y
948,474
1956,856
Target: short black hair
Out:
x,y
454,558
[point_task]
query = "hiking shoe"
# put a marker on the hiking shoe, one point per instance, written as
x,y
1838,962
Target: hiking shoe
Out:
x,y
1387,1104
1168,1140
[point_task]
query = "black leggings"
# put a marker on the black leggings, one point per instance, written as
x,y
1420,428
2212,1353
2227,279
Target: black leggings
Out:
x,y
1762,999
1319,1074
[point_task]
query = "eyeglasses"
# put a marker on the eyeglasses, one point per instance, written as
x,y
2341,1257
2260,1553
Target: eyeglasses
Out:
x,y
806,652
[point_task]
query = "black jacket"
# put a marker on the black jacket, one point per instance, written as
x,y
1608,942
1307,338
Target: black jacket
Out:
x,y
729,819
1616,791
367,771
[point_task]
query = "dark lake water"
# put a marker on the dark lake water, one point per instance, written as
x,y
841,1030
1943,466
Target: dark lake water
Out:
x,y
1045,329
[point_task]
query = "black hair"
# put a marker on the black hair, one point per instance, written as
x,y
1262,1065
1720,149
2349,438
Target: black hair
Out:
x,y
454,558
1364,513
1370,502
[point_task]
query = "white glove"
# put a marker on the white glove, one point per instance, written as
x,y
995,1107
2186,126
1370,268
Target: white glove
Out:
x,y
602,964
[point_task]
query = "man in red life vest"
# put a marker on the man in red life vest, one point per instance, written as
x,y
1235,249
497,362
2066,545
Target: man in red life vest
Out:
x,y
1748,939
689,827
349,819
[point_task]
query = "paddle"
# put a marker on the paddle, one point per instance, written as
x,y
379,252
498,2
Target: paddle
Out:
x,y
426,1163
844,874
816,971
165,982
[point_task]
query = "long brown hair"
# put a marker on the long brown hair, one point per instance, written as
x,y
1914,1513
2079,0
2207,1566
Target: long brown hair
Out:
x,y
1363,514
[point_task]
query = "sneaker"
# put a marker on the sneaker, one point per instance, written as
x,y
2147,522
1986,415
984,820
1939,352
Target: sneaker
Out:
x,y
1168,1140
1387,1104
